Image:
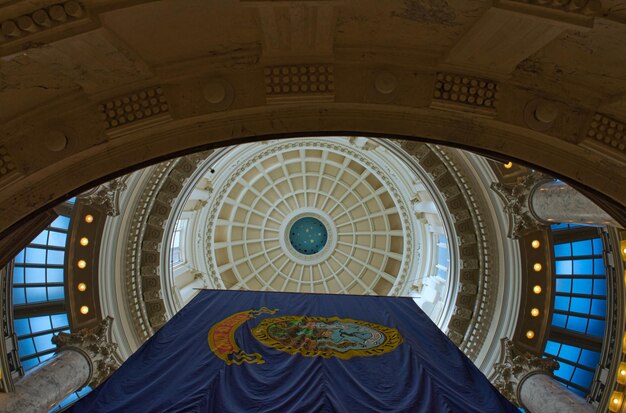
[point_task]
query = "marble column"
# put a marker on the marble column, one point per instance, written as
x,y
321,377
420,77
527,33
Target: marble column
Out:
x,y
554,202
527,381
84,358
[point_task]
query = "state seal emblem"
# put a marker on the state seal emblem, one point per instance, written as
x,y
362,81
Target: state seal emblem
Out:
x,y
308,336
343,338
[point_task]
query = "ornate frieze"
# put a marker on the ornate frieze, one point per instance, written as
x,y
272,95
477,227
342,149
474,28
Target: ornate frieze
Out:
x,y
461,91
473,310
514,367
134,107
299,82
516,198
96,345
40,20
142,276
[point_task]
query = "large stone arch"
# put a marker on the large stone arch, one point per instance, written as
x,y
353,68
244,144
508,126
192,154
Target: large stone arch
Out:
x,y
68,175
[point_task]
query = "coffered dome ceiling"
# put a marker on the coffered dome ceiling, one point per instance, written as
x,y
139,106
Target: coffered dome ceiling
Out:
x,y
331,215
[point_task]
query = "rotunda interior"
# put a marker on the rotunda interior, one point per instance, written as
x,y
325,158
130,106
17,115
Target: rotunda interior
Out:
x,y
467,154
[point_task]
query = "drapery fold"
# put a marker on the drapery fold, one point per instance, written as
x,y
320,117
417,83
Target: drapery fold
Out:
x,y
399,360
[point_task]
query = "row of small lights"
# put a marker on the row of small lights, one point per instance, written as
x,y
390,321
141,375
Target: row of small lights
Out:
x,y
530,334
82,264
617,397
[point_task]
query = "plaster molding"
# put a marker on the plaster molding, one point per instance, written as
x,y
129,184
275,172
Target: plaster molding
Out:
x,y
470,321
40,21
145,299
299,82
463,92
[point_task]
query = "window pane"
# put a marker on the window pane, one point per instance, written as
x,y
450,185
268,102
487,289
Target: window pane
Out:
x,y
552,348
43,342
39,324
597,246
599,287
583,267
589,358
42,238
564,285
19,296
36,294
580,305
582,378
26,347
598,308
582,248
582,286
563,250
59,320
57,239
565,371
561,303
21,326
578,324
35,255
56,293
559,320
596,328
19,258
61,222
55,275
563,267
570,353
598,266
55,257
35,275
18,275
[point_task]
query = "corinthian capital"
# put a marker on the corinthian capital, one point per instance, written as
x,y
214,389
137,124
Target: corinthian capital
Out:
x,y
515,197
515,366
96,345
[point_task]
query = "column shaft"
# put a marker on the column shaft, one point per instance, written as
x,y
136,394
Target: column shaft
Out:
x,y
48,384
554,202
540,393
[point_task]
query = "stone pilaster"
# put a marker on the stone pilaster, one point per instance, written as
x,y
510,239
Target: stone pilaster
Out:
x,y
95,344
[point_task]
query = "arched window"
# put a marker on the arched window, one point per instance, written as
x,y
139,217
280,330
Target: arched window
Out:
x,y
39,298
579,305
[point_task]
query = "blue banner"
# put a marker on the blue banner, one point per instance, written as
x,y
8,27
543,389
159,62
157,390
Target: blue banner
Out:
x,y
244,351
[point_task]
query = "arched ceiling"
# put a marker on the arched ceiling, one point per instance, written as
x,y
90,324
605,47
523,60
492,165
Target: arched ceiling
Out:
x,y
91,88
341,215
256,240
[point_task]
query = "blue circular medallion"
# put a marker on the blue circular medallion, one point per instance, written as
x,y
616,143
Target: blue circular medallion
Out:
x,y
308,235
